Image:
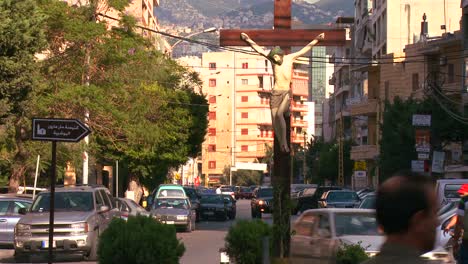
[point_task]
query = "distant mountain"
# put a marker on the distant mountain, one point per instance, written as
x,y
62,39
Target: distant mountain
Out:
x,y
247,13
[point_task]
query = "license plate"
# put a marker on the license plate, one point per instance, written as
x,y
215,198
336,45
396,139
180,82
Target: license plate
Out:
x,y
45,244
169,222
209,213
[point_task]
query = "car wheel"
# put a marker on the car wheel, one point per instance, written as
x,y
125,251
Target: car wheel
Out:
x,y
21,258
92,255
188,228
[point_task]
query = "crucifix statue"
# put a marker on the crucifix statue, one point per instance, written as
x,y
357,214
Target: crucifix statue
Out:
x,y
280,95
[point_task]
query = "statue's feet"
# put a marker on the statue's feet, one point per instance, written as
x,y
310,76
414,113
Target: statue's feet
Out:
x,y
285,148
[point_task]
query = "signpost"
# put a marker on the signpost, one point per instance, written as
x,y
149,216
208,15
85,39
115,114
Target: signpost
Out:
x,y
55,130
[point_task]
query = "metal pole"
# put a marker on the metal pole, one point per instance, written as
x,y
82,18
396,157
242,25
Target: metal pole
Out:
x,y
234,128
52,201
116,178
35,176
304,158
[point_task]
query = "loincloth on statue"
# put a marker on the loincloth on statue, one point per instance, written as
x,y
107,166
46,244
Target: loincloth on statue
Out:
x,y
277,97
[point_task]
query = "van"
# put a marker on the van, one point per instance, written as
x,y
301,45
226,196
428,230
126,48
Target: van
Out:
x,y
447,190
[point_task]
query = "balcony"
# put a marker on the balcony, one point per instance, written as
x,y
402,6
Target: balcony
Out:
x,y
299,123
298,107
364,152
366,108
297,138
332,80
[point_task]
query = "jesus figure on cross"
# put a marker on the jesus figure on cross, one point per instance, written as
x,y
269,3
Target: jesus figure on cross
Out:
x,y
280,95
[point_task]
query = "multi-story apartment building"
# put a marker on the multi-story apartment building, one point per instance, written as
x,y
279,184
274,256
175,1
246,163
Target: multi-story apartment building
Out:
x,y
237,87
383,29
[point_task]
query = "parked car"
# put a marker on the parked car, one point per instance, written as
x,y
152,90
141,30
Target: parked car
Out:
x,y
245,193
10,204
194,200
231,206
368,201
309,199
82,213
262,202
213,206
363,192
319,233
339,199
128,207
175,211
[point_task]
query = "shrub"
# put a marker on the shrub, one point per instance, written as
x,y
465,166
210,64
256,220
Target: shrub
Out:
x,y
244,241
351,254
140,240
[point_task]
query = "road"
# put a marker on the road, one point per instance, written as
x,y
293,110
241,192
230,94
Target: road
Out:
x,y
202,245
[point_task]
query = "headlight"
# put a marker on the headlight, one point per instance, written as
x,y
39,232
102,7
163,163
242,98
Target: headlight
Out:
x,y
181,217
371,253
261,202
79,228
23,230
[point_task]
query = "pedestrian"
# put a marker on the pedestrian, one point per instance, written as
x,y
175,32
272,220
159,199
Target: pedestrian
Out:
x,y
218,190
406,209
461,251
463,191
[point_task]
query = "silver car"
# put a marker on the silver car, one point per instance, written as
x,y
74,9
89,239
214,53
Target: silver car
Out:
x,y
82,213
10,205
129,207
319,233
175,211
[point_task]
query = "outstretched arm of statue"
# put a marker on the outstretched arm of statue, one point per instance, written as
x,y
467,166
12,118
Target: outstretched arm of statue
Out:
x,y
309,46
254,45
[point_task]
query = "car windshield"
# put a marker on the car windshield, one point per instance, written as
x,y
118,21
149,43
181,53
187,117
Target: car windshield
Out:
x,y
171,193
213,199
171,203
265,192
64,201
342,196
355,224
368,203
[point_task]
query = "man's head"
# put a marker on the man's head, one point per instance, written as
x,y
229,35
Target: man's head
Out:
x,y
276,55
406,208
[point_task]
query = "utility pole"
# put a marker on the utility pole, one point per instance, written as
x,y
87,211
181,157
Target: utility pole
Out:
x,y
340,150
304,166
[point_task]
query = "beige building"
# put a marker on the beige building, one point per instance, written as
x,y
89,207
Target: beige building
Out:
x,y
240,130
383,29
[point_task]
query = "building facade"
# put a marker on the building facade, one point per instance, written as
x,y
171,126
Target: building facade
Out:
x,y
237,86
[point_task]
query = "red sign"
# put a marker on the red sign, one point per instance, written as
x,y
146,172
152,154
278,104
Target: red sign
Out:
x,y
197,181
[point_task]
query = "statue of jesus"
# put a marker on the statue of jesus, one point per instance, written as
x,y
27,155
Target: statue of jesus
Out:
x,y
280,95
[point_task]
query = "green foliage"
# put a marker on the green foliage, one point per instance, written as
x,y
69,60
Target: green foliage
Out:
x,y
322,160
246,177
244,241
351,254
141,240
397,145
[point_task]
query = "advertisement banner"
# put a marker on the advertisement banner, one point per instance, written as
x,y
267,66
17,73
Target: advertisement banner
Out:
x,y
417,165
423,140
421,120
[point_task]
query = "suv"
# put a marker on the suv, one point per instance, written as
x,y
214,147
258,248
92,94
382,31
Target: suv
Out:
x,y
82,213
262,201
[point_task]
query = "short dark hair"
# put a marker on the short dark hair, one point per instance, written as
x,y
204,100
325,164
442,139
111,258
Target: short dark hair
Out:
x,y
275,51
395,205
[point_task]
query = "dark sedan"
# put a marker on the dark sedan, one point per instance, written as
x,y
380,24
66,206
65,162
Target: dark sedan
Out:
x,y
245,193
174,211
339,199
213,206
261,202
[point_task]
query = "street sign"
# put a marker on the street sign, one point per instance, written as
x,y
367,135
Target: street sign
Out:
x,y
423,156
421,120
360,165
51,129
417,165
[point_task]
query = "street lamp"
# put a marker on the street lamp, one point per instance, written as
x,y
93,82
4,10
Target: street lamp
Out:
x,y
208,30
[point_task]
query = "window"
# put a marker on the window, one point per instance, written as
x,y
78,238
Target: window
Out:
x,y
99,201
266,65
387,90
306,226
212,65
4,207
262,132
451,73
260,81
212,99
20,204
244,98
212,83
106,199
244,131
212,115
245,148
245,81
212,131
415,80
245,115
211,164
211,148
245,65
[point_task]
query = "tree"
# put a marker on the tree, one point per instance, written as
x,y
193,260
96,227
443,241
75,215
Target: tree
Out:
x,y
21,37
397,145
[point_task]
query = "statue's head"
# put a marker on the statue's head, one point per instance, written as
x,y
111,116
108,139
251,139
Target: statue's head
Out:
x,y
276,55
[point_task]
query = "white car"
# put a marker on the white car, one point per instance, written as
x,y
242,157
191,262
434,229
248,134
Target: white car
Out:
x,y
319,232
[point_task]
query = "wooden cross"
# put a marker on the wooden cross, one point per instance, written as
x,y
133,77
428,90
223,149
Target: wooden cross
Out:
x,y
282,35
